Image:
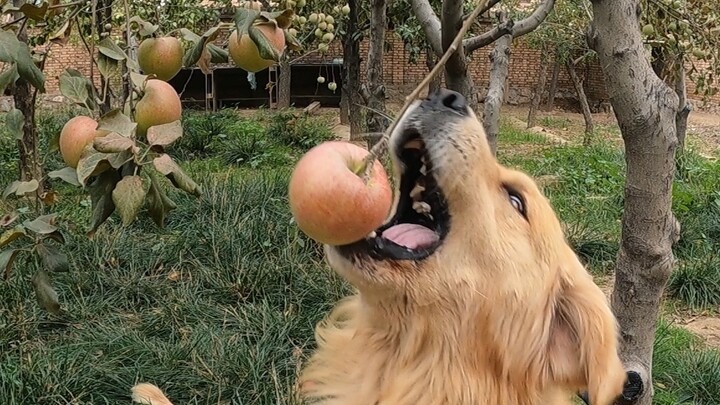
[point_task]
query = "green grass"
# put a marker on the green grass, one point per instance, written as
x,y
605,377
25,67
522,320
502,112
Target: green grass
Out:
x,y
220,306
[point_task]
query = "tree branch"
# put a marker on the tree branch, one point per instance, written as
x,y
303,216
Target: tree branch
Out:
x,y
522,27
529,23
429,22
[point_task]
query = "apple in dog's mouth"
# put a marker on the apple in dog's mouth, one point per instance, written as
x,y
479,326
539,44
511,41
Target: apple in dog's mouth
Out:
x,y
421,219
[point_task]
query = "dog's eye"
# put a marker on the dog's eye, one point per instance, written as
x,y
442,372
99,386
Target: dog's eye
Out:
x,y
517,202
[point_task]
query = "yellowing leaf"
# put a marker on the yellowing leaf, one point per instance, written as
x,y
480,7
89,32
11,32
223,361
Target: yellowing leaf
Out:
x,y
165,165
113,143
165,134
45,294
7,258
128,197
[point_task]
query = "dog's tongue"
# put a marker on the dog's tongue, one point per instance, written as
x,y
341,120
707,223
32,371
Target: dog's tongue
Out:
x,y
411,236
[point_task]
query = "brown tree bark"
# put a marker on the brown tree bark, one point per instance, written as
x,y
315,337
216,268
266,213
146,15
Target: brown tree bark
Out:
x,y
645,109
375,89
24,96
587,114
350,93
499,59
550,104
284,79
684,109
539,90
440,33
457,76
430,62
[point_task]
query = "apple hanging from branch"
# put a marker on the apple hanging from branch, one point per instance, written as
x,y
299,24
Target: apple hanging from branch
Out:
x,y
331,199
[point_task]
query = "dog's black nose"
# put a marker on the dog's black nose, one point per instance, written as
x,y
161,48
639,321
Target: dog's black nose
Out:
x,y
445,98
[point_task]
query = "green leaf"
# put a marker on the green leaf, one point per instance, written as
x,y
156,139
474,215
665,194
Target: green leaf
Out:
x,y
57,236
189,35
217,54
118,159
116,121
14,51
8,76
165,165
44,292
67,174
128,197
91,163
52,258
14,121
291,42
7,258
159,204
192,56
21,188
109,48
33,12
113,143
107,66
138,80
79,79
165,134
145,28
266,49
74,89
283,18
12,235
62,35
244,19
100,190
42,225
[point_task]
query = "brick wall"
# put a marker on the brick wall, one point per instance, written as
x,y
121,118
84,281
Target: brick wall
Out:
x,y
524,69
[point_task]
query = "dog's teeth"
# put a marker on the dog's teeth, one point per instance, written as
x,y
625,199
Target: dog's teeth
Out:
x,y
372,234
416,191
421,207
414,144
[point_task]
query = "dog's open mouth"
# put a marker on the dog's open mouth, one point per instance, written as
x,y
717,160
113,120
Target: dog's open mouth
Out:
x,y
421,219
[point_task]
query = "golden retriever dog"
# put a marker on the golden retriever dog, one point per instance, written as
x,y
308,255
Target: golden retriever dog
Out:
x,y
469,294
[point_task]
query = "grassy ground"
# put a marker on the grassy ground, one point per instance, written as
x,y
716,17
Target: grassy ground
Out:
x,y
220,306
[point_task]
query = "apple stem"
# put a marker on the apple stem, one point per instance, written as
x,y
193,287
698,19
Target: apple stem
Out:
x,y
381,146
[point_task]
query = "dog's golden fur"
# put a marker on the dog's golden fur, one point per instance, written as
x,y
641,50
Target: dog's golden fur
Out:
x,y
502,313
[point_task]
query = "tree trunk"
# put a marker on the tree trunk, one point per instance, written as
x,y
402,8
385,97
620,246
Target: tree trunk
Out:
x,y
537,97
457,76
24,96
645,109
499,59
430,62
553,85
350,92
376,121
684,108
587,115
284,79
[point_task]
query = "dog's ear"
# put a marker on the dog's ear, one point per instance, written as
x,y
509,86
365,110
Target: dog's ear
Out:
x,y
583,345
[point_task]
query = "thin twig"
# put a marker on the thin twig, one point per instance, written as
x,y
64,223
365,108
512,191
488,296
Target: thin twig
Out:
x,y
381,146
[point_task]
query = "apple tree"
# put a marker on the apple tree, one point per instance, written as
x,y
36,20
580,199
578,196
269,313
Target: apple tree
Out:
x,y
441,22
683,37
645,108
562,37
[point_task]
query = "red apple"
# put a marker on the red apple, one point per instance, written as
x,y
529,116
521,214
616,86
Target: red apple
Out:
x,y
330,202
